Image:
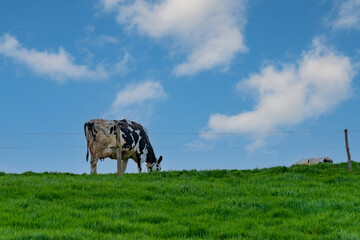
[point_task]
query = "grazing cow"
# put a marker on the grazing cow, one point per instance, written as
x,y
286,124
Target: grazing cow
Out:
x,y
101,142
313,161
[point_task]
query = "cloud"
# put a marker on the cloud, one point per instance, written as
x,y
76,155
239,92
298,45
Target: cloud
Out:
x,y
137,101
317,83
57,65
209,32
99,40
346,15
198,145
108,5
89,29
121,67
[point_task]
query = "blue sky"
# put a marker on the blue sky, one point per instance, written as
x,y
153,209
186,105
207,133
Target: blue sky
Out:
x,y
284,74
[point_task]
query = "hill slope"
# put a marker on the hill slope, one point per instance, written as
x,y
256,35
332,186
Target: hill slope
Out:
x,y
300,202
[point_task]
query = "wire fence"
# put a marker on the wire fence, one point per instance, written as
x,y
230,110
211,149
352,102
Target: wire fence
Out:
x,y
182,147
8,134
236,150
190,133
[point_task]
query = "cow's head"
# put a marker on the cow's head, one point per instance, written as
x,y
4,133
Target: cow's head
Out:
x,y
328,160
155,166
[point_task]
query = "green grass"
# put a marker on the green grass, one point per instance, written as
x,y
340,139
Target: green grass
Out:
x,y
301,202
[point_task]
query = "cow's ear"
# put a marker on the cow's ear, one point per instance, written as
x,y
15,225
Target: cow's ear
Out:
x,y
160,159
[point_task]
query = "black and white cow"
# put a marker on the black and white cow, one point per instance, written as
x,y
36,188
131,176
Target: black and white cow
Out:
x,y
135,144
313,161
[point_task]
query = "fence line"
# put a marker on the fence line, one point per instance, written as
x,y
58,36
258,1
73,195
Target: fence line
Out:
x,y
39,147
184,133
190,133
40,133
182,147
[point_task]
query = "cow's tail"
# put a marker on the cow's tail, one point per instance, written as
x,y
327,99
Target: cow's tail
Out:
x,y
86,130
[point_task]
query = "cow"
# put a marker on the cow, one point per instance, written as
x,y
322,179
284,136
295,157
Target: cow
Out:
x,y
135,144
313,161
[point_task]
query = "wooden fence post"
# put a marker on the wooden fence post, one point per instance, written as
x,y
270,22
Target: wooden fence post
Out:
x,y
118,152
348,151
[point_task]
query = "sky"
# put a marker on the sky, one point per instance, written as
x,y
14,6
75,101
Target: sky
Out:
x,y
218,84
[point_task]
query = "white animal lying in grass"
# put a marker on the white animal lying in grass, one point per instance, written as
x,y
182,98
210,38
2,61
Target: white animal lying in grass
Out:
x,y
313,161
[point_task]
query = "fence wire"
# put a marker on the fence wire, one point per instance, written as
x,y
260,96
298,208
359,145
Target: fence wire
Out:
x,y
184,147
188,133
185,133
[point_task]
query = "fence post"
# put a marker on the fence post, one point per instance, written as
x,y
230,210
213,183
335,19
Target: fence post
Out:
x,y
348,151
118,151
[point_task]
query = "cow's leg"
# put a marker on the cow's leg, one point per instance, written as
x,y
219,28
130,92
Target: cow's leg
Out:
x,y
125,162
137,159
139,166
93,164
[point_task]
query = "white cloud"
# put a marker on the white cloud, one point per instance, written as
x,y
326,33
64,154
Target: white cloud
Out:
x,y
137,101
121,67
208,32
89,29
317,83
108,5
346,15
99,40
57,65
198,145
107,39
258,142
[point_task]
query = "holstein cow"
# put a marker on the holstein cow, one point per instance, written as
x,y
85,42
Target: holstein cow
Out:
x,y
312,161
101,142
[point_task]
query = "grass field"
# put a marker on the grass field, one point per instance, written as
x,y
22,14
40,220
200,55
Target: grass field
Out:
x,y
302,202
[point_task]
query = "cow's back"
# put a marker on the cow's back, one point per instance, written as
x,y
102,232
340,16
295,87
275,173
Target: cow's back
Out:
x,y
101,136
100,140
135,138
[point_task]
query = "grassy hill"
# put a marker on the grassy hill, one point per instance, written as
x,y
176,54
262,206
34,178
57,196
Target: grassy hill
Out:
x,y
302,202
